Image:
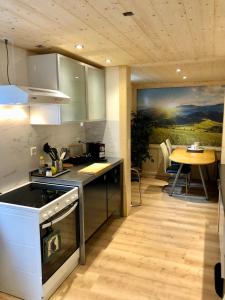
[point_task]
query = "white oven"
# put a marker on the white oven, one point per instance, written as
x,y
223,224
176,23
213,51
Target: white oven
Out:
x,y
39,238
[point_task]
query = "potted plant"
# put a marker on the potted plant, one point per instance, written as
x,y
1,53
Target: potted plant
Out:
x,y
141,128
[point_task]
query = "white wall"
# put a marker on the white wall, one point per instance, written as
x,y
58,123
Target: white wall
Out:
x,y
17,65
223,138
112,131
17,135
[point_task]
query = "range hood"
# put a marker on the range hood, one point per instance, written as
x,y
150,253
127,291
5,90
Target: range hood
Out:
x,y
21,95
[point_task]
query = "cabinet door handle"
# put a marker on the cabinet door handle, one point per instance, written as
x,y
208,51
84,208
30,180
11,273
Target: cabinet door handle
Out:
x,y
105,177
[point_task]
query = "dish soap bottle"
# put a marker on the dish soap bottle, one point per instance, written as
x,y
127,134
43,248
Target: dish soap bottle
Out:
x,y
41,165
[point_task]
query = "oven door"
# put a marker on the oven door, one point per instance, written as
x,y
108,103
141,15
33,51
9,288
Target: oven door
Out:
x,y
59,239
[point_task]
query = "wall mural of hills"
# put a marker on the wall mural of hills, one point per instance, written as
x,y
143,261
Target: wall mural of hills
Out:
x,y
184,115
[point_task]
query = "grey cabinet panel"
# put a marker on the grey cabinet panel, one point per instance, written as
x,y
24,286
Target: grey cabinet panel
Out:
x,y
83,83
95,205
95,94
114,190
43,71
102,197
72,83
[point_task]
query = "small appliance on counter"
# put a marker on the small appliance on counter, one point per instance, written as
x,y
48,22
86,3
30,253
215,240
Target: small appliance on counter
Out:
x,y
78,160
96,150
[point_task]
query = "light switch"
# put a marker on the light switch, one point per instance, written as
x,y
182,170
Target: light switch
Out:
x,y
33,151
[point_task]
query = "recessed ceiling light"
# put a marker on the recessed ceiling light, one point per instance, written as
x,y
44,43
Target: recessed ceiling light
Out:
x,y
178,70
40,46
108,60
79,46
184,77
128,13
77,77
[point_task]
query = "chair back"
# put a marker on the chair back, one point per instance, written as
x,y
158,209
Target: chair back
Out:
x,y
169,146
165,156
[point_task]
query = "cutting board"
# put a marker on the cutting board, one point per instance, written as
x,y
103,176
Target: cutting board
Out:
x,y
94,168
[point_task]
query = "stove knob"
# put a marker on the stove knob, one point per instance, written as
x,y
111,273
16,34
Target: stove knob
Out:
x,y
49,213
56,208
67,201
45,216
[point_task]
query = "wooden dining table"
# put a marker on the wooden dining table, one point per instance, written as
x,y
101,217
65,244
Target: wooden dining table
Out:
x,y
183,156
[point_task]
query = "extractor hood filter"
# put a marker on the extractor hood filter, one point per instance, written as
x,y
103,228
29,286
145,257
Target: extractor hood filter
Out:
x,y
11,94
20,95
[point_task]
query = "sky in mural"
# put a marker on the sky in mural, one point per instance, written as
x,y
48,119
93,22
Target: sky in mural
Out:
x,y
180,96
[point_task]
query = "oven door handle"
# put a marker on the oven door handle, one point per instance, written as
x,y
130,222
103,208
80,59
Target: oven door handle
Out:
x,y
61,217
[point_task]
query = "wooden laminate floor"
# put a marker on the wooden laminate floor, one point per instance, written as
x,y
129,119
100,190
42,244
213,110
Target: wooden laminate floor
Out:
x,y
165,250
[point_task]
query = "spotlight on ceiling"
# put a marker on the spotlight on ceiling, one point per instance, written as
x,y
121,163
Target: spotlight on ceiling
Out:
x,y
79,46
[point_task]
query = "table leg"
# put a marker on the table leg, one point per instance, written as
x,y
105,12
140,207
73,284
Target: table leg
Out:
x,y
207,172
175,180
203,182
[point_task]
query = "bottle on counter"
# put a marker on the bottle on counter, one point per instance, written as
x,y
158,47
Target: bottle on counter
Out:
x,y
54,167
41,165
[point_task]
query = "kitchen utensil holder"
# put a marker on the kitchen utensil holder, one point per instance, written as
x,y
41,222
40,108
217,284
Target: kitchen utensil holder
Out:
x,y
58,164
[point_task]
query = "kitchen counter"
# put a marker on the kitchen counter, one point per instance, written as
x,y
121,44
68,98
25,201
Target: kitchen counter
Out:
x,y
74,178
78,179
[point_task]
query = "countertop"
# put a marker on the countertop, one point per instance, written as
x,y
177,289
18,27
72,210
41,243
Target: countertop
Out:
x,y
77,179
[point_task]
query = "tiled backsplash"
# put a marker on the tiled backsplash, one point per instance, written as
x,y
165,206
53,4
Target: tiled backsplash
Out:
x,y
17,136
95,131
106,132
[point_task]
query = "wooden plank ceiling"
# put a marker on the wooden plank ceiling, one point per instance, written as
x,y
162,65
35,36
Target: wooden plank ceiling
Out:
x,y
160,37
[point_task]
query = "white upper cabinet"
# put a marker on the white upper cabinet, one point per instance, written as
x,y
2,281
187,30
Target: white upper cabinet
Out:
x,y
72,82
95,93
84,84
43,71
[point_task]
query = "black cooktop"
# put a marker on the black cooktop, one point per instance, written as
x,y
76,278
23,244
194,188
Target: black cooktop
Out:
x,y
34,194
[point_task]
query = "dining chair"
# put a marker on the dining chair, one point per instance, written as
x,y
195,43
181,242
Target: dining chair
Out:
x,y
169,146
171,169
136,176
170,150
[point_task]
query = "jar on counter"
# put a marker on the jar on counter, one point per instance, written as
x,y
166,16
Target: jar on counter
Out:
x,y
48,171
60,165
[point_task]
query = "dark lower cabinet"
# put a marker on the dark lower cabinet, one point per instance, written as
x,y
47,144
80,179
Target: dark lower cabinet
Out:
x,y
114,190
102,198
95,205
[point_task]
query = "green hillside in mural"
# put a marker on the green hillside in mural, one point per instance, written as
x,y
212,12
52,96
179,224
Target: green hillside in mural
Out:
x,y
184,121
203,132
